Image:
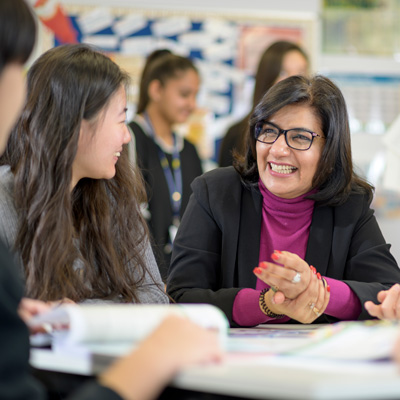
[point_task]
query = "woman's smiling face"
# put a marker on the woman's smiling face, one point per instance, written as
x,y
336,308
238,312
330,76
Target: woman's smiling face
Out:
x,y
286,172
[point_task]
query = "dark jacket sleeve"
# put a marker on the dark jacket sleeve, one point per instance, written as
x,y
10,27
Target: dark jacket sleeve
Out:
x,y
15,379
195,274
369,266
345,243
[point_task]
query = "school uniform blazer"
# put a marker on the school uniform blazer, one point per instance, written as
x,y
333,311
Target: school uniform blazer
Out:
x,y
218,243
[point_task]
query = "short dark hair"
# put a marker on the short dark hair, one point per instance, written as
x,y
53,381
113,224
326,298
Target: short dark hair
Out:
x,y
17,32
335,177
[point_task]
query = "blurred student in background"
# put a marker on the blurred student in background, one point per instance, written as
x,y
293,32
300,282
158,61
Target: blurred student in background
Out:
x,y
140,375
279,61
69,199
169,163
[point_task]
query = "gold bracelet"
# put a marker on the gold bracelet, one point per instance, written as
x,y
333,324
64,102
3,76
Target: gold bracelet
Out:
x,y
265,309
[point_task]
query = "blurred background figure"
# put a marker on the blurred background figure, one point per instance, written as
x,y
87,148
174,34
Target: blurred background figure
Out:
x,y
169,163
279,61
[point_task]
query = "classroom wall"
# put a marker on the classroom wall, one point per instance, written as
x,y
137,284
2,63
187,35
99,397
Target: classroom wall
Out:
x,y
224,43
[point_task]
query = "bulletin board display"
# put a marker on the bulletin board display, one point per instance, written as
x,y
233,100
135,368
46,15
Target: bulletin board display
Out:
x,y
225,48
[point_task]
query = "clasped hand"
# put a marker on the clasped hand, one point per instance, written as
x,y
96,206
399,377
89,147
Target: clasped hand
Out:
x,y
299,291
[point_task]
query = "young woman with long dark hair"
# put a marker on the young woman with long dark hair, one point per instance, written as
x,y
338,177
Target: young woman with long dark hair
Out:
x,y
69,204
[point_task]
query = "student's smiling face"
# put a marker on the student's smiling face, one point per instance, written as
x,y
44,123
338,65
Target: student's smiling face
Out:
x,y
101,142
275,160
176,99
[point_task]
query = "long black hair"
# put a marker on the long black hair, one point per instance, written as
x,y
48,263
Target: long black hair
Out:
x,y
99,225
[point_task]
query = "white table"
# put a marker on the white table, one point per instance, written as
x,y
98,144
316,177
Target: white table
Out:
x,y
260,375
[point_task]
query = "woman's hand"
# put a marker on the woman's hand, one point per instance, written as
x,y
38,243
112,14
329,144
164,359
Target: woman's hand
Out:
x,y
175,344
306,307
390,304
290,275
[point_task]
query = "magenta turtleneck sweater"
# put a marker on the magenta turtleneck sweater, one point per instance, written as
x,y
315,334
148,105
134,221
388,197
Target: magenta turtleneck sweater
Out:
x,y
286,226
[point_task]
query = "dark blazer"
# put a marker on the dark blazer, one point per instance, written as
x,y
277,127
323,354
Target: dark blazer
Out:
x,y
218,242
16,383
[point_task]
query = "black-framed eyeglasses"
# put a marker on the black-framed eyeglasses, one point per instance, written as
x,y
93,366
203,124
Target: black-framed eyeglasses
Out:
x,y
296,138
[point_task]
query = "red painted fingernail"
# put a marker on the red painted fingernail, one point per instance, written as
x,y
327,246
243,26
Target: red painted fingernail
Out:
x,y
319,275
328,289
278,251
257,270
263,265
275,256
311,267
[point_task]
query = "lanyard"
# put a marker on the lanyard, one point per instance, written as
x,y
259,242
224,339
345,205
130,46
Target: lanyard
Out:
x,y
174,180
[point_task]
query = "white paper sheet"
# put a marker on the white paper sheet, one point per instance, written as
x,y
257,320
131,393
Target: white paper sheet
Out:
x,y
95,21
130,24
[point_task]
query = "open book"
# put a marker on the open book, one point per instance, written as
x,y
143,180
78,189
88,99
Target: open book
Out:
x,y
116,327
346,340
357,340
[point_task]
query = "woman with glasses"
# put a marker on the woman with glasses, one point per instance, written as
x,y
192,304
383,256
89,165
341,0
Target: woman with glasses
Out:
x,y
292,207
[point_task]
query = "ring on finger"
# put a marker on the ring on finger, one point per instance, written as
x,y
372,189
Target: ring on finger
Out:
x,y
311,305
296,278
316,311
